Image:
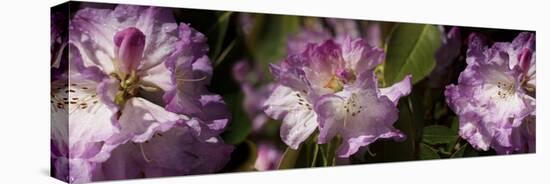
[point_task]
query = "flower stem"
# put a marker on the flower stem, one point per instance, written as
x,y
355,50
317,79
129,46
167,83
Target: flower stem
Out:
x,y
315,153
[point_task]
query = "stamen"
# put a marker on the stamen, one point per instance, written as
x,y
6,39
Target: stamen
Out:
x,y
193,80
143,154
370,152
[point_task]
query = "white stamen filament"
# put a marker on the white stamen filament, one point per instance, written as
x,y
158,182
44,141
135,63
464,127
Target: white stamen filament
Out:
x,y
192,80
143,153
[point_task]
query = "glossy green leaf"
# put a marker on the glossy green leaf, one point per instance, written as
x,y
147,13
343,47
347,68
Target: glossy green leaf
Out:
x,y
267,42
437,134
411,50
427,152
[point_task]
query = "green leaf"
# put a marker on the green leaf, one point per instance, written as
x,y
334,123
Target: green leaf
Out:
x,y
289,158
267,42
221,27
427,152
460,152
411,50
437,134
240,126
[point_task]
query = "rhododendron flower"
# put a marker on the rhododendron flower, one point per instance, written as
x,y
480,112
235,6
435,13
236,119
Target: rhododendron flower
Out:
x,y
136,74
361,113
495,95
318,87
268,158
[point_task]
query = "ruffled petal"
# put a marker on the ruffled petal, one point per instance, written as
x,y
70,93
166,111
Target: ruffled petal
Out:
x,y
297,44
360,56
212,119
331,117
191,71
398,90
299,119
172,153
141,119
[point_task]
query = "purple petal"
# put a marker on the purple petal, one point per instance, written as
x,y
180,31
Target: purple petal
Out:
x,y
398,90
173,153
361,56
299,120
129,46
298,43
190,71
268,157
141,119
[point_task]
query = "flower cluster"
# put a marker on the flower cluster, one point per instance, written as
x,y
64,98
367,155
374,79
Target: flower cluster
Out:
x,y
495,95
131,94
136,101
331,87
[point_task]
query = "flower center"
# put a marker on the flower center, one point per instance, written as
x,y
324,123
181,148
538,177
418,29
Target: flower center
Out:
x,y
351,106
505,89
129,47
336,82
128,88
